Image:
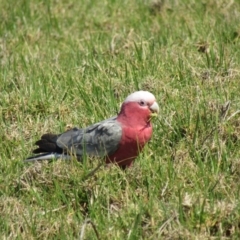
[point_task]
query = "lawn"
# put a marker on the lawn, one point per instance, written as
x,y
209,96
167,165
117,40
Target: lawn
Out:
x,y
72,63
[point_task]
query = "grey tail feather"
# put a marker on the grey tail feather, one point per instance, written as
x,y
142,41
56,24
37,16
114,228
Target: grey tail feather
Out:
x,y
47,156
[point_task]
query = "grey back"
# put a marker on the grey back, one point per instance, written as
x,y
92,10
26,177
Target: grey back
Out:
x,y
100,139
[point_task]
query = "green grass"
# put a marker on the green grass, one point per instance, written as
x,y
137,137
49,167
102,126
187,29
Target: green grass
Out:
x,y
72,63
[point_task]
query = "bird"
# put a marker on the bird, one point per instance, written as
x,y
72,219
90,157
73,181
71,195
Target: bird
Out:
x,y
117,140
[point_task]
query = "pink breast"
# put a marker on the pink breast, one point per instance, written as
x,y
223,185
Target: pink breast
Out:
x,y
132,143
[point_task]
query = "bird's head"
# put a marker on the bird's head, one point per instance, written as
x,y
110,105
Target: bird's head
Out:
x,y
139,107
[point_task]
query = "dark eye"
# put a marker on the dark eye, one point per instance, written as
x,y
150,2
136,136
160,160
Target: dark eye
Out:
x,y
141,103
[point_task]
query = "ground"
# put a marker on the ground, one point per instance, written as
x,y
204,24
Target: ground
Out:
x,y
72,63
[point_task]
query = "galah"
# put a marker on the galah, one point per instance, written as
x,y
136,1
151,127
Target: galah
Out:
x,y
118,140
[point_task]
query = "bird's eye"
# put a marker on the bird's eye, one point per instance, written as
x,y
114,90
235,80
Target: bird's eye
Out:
x,y
141,103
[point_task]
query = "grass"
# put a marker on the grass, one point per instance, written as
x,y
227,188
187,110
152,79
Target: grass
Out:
x,y
72,63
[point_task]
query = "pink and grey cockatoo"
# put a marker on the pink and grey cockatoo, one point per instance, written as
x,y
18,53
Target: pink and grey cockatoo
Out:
x,y
118,140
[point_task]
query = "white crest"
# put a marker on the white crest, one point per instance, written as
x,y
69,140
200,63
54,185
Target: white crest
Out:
x,y
140,95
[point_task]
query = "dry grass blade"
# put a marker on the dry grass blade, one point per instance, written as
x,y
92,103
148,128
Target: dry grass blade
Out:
x,y
82,232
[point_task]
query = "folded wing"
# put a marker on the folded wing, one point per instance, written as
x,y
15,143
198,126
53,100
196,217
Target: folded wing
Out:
x,y
101,139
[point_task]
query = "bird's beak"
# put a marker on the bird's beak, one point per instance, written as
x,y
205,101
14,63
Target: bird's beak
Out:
x,y
154,108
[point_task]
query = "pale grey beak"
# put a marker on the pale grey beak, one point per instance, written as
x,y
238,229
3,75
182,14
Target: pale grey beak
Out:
x,y
154,108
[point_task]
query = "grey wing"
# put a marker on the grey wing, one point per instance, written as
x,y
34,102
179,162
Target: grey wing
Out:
x,y
100,139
